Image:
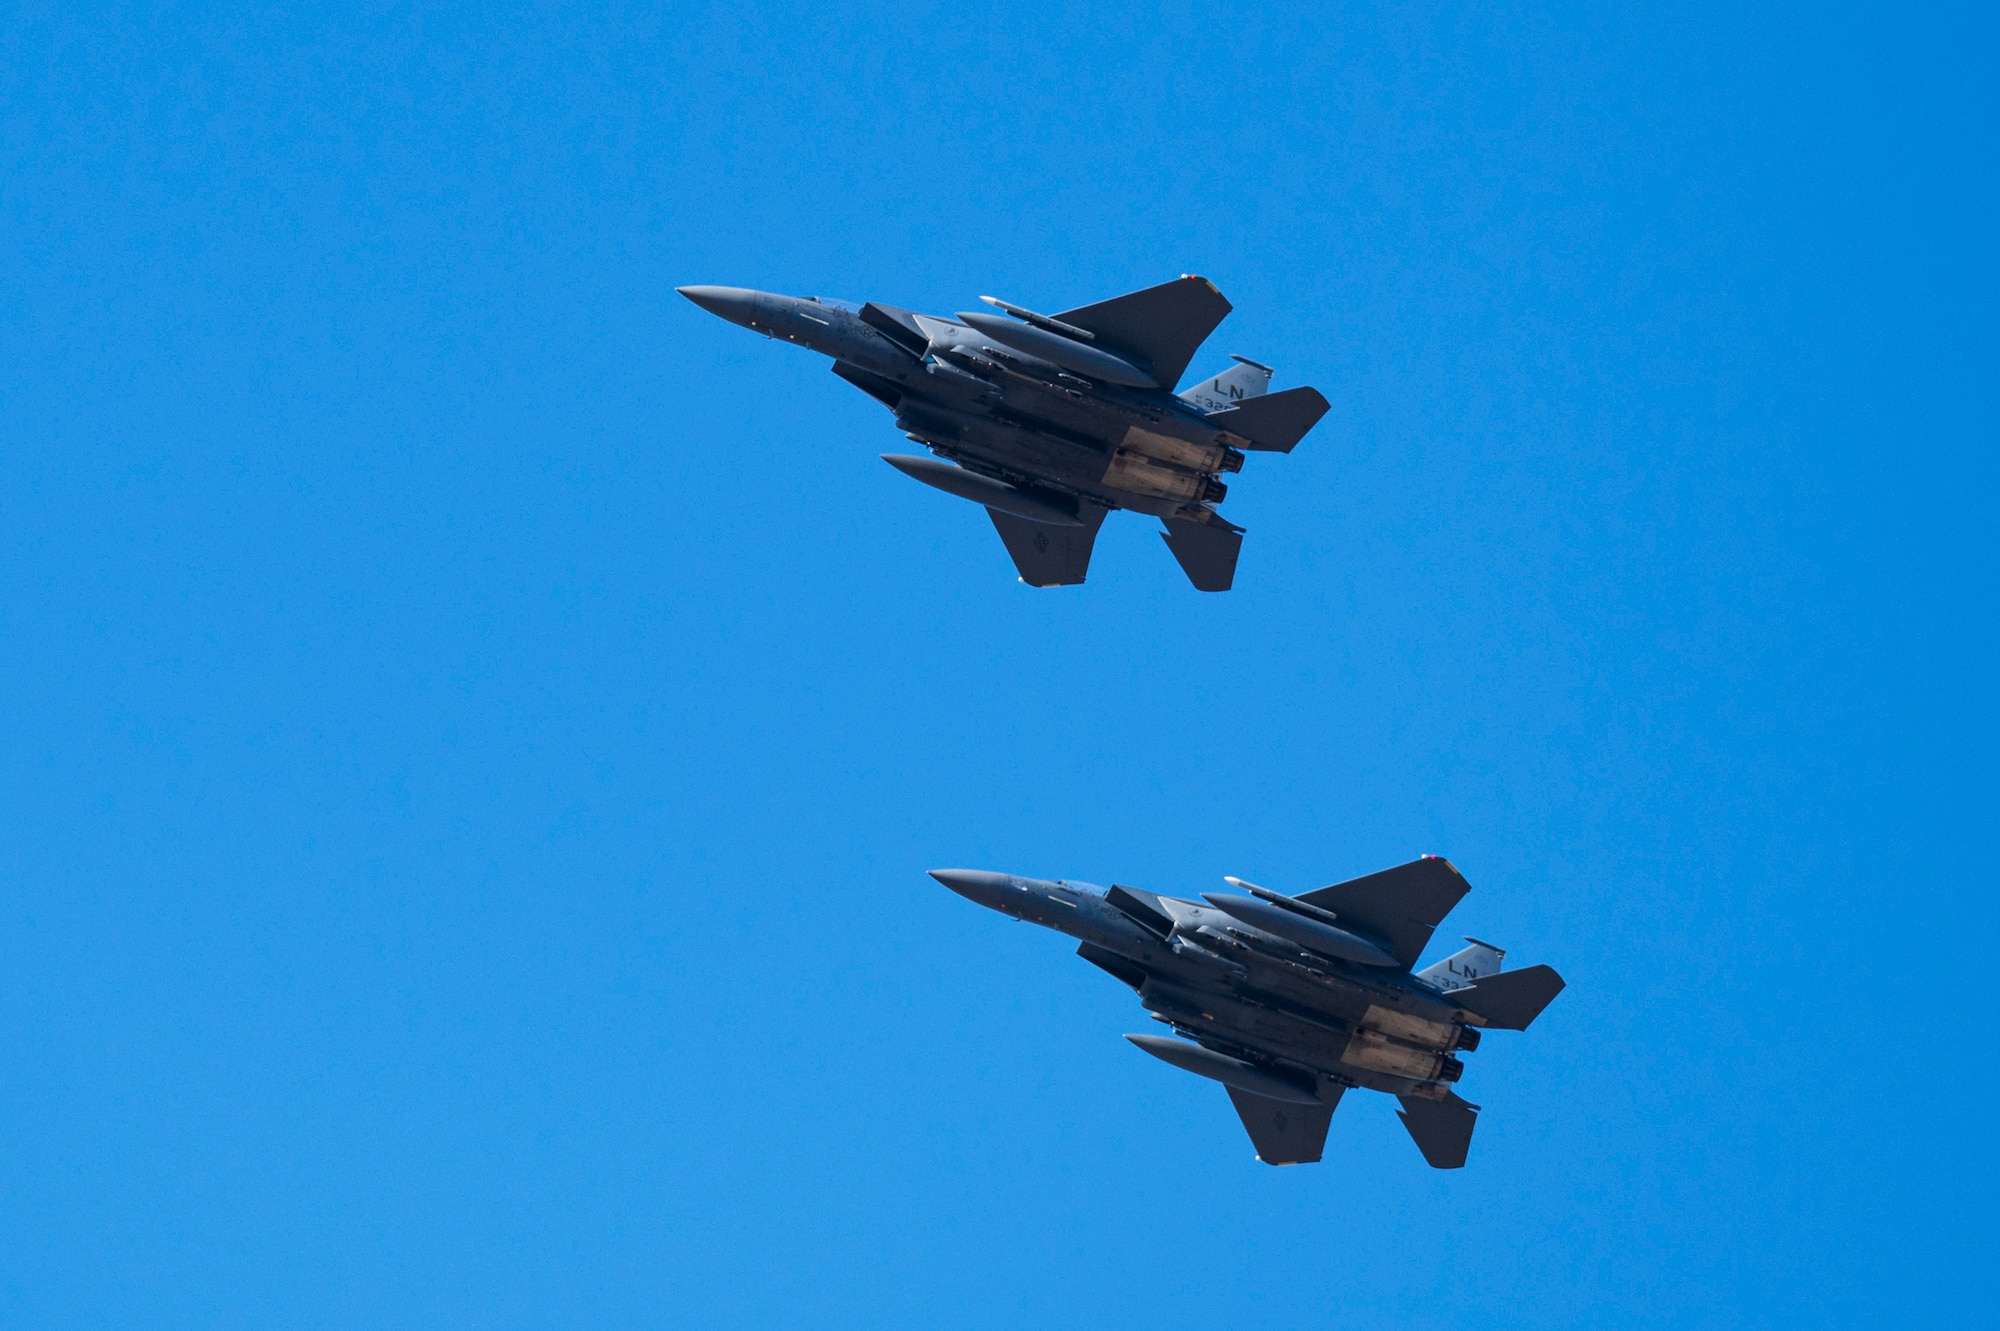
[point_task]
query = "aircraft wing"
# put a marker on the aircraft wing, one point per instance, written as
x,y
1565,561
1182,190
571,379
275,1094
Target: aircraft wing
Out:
x,y
1285,1134
1160,327
1048,555
1400,906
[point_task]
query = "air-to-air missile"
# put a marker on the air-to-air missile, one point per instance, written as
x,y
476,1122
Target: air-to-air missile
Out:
x,y
1052,421
1290,1002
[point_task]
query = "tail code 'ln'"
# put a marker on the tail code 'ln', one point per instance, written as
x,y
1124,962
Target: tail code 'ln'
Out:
x,y
1464,967
1244,379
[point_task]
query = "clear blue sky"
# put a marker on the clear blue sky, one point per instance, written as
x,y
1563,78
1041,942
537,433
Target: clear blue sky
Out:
x,y
473,727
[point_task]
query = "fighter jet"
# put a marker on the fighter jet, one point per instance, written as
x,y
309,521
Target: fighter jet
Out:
x,y
1052,421
1290,1002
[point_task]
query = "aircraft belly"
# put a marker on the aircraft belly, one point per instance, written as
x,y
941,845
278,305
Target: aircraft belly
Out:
x,y
1018,455
1041,457
1277,968
1275,1034
1151,505
1332,1026
1041,432
971,418
1332,1001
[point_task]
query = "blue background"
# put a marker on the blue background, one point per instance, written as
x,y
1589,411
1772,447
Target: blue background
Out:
x,y
474,726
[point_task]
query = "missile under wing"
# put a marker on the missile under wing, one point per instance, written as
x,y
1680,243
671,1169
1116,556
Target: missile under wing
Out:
x,y
1052,422
1291,1002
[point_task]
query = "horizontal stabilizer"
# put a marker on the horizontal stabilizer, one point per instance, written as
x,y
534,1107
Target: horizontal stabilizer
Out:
x,y
1048,555
1282,1132
1442,1129
1206,551
1401,906
1510,1000
1464,966
1275,422
1244,379
1161,326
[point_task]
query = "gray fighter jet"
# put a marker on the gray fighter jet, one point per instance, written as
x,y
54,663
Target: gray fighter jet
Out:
x,y
1289,1002
1053,421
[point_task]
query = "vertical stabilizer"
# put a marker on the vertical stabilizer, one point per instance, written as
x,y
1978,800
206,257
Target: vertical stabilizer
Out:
x,y
1463,967
1246,378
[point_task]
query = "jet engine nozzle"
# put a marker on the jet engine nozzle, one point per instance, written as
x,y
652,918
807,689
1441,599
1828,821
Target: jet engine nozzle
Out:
x,y
1468,1038
1450,1069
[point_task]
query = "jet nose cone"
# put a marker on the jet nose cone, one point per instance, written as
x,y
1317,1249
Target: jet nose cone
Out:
x,y
988,889
736,304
